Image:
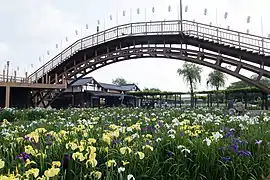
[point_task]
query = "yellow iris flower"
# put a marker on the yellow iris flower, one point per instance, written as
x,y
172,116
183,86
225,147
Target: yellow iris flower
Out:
x,y
125,150
2,164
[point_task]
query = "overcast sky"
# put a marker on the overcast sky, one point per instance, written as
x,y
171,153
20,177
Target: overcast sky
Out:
x,y
30,28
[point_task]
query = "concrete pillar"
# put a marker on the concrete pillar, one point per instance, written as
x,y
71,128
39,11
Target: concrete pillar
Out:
x,y
7,102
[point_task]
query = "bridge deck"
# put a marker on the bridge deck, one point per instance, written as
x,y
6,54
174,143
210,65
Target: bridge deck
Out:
x,y
20,82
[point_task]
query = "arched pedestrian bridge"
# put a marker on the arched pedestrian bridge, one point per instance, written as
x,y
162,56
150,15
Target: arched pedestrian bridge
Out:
x,y
203,44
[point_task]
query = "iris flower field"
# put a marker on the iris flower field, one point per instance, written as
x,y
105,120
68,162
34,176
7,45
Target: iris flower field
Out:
x,y
133,144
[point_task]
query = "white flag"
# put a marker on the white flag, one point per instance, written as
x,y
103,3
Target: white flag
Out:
x,y
248,19
138,11
186,9
169,8
225,15
205,11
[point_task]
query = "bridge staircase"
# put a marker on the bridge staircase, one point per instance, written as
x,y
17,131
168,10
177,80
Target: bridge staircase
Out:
x,y
62,67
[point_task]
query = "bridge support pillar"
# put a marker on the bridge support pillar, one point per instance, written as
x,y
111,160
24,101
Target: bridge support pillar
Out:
x,y
7,99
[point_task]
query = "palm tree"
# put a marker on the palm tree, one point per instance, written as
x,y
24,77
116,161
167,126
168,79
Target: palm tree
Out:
x,y
216,79
191,75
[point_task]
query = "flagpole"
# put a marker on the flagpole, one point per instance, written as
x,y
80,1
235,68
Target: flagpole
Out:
x,y
181,15
130,11
216,16
145,14
81,33
262,26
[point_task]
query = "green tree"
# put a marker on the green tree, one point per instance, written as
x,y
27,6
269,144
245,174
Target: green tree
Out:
x,y
152,89
216,79
119,81
242,84
191,75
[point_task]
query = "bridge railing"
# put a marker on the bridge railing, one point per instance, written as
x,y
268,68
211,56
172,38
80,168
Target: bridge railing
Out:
x,y
241,40
14,79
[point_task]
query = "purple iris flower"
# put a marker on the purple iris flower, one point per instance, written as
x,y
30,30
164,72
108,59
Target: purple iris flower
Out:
x,y
160,124
23,156
226,158
170,154
244,153
233,147
258,141
230,133
67,158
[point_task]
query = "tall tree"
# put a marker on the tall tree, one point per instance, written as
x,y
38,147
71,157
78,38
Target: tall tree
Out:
x,y
216,79
191,75
119,81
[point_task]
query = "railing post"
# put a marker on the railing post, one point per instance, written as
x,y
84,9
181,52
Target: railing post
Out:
x,y
56,78
179,27
239,43
131,28
46,80
104,36
36,77
81,45
117,31
262,45
26,79
146,28
217,35
15,75
4,73
161,27
197,29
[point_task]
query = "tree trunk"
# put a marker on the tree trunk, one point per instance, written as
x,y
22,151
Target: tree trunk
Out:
x,y
191,94
217,97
